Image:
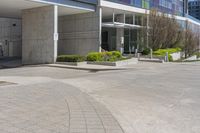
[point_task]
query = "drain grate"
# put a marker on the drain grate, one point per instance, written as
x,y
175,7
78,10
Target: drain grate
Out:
x,y
3,83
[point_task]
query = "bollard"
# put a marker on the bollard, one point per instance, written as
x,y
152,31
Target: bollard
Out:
x,y
138,56
151,53
136,51
121,50
166,56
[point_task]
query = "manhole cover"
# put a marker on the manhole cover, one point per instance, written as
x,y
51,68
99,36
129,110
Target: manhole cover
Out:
x,y
2,83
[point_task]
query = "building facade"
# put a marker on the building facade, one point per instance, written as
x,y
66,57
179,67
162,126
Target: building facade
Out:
x,y
40,30
194,9
170,6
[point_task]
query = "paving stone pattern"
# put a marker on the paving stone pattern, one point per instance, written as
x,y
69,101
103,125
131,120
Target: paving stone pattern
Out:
x,y
52,107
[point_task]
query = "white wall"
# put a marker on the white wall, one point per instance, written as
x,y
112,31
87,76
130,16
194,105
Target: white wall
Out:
x,y
10,30
176,56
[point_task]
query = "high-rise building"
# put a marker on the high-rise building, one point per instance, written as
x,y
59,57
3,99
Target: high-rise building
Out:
x,y
194,8
39,30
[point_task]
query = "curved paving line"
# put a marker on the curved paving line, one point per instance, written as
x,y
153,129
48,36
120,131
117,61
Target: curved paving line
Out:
x,y
68,113
53,107
122,131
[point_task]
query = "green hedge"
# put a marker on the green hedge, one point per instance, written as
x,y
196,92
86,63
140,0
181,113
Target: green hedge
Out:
x,y
95,56
104,56
162,52
70,58
197,54
146,51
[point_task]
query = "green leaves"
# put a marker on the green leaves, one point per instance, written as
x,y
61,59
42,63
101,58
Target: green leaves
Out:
x,y
104,56
70,58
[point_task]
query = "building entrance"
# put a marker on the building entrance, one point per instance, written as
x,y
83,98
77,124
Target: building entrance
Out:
x,y
130,41
10,37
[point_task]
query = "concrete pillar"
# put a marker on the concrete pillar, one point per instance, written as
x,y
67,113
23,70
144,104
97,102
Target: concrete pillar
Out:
x,y
113,18
55,33
120,33
120,37
100,28
133,19
39,35
147,25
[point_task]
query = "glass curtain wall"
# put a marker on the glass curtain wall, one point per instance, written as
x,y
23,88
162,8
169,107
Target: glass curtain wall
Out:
x,y
175,7
130,40
118,25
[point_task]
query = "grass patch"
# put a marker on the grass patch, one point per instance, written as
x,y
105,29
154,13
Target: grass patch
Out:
x,y
162,52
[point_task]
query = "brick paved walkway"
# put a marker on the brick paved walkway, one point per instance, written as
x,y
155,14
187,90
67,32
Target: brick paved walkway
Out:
x,y
52,107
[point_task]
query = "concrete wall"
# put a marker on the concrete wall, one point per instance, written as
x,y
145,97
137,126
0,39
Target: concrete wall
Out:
x,y
38,35
79,34
10,37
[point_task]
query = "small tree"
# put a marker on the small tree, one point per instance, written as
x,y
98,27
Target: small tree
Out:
x,y
191,41
164,31
173,33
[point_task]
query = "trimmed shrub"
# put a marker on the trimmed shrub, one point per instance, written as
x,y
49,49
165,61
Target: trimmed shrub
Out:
x,y
197,54
104,56
117,54
146,51
70,58
170,58
113,59
95,56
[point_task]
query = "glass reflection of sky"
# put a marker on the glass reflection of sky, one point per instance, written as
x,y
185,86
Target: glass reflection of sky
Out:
x,y
169,6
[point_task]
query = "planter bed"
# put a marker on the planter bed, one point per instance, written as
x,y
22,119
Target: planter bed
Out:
x,y
72,63
192,58
117,63
152,60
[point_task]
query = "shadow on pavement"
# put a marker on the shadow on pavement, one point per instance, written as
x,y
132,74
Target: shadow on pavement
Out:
x,y
10,62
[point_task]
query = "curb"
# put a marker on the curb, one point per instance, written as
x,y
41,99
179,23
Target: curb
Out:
x,y
84,68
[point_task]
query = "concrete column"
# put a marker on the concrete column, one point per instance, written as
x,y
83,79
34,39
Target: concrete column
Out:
x,y
113,19
39,35
55,32
119,36
133,19
147,25
120,33
100,28
124,18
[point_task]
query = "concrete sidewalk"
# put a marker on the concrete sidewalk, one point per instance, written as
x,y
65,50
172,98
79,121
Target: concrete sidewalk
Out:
x,y
35,103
